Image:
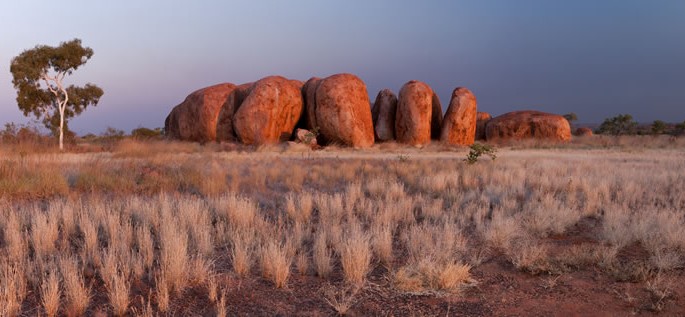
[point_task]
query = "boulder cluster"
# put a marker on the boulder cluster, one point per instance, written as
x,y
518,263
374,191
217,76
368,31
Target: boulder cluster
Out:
x,y
337,110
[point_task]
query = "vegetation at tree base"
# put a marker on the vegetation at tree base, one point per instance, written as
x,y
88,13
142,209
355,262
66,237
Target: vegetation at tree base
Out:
x,y
53,103
477,150
14,134
570,117
142,133
618,125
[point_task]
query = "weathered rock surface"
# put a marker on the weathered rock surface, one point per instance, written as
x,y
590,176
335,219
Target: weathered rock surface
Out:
x,y
196,117
459,124
584,131
309,94
306,137
414,114
270,111
528,124
224,125
482,119
436,117
383,114
343,114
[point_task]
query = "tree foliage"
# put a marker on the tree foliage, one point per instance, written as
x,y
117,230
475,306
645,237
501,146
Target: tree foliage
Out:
x,y
620,124
570,117
38,76
142,133
659,127
477,150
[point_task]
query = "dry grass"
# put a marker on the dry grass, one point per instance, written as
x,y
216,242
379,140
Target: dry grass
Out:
x,y
171,216
12,288
118,294
355,255
275,263
50,293
322,255
76,292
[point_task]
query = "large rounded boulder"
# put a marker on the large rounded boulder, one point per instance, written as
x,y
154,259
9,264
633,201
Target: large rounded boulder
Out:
x,y
482,119
343,111
413,120
270,111
459,124
528,125
583,131
224,125
383,115
196,117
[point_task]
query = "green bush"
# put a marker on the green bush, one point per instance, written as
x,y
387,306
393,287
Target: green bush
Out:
x,y
621,124
145,133
477,150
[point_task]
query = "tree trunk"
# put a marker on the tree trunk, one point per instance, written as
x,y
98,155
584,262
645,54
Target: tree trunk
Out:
x,y
61,128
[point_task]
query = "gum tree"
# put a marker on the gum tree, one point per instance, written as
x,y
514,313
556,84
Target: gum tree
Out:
x,y
38,76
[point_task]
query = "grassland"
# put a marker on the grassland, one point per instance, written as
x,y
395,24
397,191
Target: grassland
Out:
x,y
158,228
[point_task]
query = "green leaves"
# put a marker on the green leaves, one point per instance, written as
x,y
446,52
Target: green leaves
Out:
x,y
37,75
477,150
621,124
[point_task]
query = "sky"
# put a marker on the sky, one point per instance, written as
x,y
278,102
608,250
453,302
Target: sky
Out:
x,y
596,58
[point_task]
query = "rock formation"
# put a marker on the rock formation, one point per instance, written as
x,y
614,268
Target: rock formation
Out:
x,y
482,119
584,131
383,114
342,111
270,111
305,137
224,125
459,124
309,94
196,117
414,114
436,117
528,124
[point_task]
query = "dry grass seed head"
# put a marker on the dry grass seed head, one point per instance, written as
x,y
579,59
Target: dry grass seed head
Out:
x,y
322,255
174,254
118,294
12,288
243,244
275,263
355,254
50,294
76,292
382,238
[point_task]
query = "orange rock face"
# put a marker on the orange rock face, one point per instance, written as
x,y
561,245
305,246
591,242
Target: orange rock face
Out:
x,y
459,124
414,114
196,117
528,124
270,111
482,118
583,131
383,114
342,111
224,125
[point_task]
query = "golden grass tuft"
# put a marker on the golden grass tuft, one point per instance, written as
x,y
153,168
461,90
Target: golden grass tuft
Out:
x,y
50,293
355,255
76,292
275,263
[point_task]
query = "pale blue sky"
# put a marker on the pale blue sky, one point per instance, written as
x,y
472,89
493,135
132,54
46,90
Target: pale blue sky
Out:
x,y
597,58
